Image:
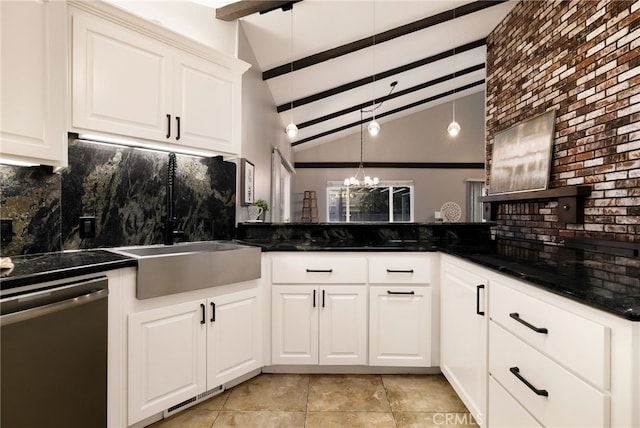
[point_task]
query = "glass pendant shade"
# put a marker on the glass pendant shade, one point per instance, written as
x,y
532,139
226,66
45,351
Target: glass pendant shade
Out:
x,y
292,130
374,128
454,128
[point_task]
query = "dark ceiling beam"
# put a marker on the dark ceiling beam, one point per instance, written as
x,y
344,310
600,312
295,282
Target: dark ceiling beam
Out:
x,y
243,8
419,87
379,38
389,113
377,77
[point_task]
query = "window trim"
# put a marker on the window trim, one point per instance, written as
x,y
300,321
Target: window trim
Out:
x,y
384,184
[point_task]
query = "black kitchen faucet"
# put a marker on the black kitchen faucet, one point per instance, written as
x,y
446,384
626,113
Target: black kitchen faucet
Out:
x,y
170,232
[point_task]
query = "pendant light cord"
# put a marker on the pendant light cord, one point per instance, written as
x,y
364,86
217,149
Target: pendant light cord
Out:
x,y
291,60
373,108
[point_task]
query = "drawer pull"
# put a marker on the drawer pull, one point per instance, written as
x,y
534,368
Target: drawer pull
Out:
x,y
401,292
516,373
319,270
478,288
516,316
399,270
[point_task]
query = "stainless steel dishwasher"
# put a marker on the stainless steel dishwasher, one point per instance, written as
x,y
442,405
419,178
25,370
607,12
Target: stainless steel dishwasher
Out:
x,y
54,356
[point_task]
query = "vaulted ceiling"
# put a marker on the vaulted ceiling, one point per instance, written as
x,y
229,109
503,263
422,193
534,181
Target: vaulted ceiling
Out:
x,y
330,59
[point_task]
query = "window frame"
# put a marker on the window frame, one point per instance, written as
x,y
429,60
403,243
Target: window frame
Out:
x,y
390,184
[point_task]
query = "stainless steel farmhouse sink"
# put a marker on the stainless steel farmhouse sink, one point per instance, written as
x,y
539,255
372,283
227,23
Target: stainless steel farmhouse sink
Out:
x,y
169,269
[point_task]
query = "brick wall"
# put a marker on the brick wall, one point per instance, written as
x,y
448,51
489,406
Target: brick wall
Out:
x,y
581,58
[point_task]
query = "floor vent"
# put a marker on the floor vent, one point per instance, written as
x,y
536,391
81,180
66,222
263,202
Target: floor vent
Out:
x,y
192,401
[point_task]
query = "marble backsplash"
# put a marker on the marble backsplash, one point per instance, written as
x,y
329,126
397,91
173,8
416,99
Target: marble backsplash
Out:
x,y
124,189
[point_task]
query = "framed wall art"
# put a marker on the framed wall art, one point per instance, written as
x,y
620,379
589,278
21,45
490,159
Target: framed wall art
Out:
x,y
247,182
521,159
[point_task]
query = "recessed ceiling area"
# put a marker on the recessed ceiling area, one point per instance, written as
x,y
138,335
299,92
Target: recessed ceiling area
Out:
x,y
331,58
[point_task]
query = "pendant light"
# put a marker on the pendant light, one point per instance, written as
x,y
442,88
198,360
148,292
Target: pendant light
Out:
x,y
454,127
361,178
374,126
291,129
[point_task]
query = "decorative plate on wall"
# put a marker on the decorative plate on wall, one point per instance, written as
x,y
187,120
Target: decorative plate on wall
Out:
x,y
451,212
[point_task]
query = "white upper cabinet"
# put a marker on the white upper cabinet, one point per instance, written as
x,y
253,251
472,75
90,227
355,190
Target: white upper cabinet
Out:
x,y
33,80
133,79
207,104
119,80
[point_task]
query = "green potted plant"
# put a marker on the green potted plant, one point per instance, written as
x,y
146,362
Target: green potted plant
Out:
x,y
261,203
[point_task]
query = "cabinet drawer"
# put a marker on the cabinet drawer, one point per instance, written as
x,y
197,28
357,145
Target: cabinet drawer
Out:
x,y
505,411
577,343
569,401
399,270
303,269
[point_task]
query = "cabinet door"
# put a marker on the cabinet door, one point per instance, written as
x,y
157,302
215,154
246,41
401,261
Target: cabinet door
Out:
x,y
294,319
400,326
167,357
120,80
343,325
206,104
33,78
463,337
234,341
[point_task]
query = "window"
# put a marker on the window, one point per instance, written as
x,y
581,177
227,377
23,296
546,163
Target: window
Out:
x,y
281,171
385,202
475,189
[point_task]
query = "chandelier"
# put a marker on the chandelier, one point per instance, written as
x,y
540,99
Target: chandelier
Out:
x,y
361,178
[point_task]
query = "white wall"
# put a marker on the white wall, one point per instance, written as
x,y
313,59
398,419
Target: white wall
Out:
x,y
420,137
262,129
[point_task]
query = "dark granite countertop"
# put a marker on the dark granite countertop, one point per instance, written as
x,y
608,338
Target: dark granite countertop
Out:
x,y
601,280
604,280
609,282
36,268
339,246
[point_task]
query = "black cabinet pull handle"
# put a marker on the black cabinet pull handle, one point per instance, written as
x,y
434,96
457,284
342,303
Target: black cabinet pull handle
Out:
x,y
516,373
399,270
319,270
516,316
213,312
478,288
323,298
314,298
168,126
401,292
204,315
178,125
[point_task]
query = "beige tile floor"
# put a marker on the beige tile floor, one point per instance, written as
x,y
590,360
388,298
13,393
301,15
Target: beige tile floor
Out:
x,y
299,400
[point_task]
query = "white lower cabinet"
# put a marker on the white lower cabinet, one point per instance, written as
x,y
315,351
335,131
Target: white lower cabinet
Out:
x,y
167,357
234,339
505,411
400,326
319,324
554,395
463,339
178,351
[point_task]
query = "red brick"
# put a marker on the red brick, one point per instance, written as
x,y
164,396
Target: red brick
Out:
x,y
571,70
